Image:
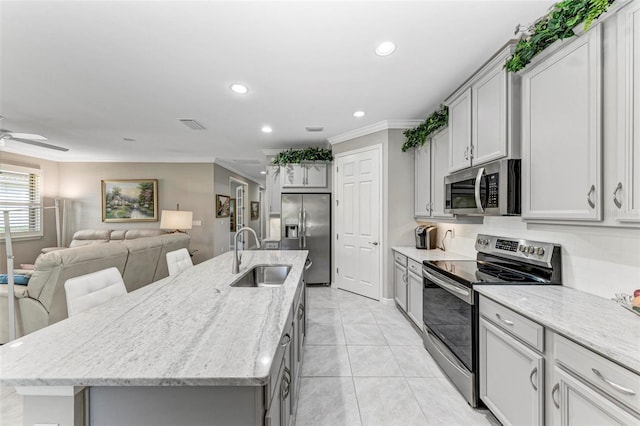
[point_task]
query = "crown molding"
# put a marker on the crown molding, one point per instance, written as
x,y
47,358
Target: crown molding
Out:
x,y
373,128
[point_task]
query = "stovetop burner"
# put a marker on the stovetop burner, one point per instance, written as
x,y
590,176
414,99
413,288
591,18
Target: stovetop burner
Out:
x,y
504,261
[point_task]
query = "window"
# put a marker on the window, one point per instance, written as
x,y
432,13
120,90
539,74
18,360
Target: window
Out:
x,y
20,194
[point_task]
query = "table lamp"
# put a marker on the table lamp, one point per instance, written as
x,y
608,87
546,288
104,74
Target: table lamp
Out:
x,y
176,220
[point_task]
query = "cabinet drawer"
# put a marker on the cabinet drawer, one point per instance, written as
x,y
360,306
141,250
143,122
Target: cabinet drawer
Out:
x,y
415,267
400,258
613,379
528,331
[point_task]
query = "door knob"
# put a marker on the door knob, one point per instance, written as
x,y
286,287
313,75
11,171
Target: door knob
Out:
x,y
375,243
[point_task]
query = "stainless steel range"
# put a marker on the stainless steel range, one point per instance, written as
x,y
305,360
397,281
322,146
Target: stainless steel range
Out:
x,y
450,310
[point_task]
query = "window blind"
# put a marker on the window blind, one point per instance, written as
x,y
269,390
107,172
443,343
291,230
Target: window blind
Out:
x,y
20,193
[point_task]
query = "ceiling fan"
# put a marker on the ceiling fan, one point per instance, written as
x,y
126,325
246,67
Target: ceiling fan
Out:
x,y
28,138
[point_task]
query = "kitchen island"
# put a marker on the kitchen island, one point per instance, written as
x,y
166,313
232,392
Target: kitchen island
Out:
x,y
189,349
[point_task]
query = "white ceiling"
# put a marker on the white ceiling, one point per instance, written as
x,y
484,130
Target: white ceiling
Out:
x,y
88,74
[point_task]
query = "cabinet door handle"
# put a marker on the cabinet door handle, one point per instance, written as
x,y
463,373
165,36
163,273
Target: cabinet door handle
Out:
x,y
554,391
286,382
615,195
506,321
471,152
404,278
533,372
615,386
589,200
300,311
285,340
466,153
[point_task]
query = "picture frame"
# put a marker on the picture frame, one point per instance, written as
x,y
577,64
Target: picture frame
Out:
x,y
130,200
223,205
255,210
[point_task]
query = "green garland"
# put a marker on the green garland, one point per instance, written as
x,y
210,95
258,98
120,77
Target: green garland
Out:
x,y
296,156
558,24
418,135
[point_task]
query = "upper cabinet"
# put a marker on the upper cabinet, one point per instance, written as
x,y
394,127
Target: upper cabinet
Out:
x,y
484,116
304,175
431,166
561,131
625,190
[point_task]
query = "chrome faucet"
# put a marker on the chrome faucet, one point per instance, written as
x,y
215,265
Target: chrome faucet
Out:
x,y
235,267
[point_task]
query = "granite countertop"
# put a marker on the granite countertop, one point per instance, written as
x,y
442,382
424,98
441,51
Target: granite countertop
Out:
x,y
420,255
592,321
189,329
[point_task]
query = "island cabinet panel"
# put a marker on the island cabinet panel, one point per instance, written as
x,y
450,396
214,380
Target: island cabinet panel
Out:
x,y
561,137
175,405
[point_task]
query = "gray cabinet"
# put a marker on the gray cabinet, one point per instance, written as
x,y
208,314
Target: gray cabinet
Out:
x,y
400,280
460,131
431,166
273,189
414,297
304,175
561,136
511,372
422,180
484,115
624,195
589,389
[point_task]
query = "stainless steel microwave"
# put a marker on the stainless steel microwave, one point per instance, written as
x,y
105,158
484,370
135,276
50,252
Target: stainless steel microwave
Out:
x,y
492,189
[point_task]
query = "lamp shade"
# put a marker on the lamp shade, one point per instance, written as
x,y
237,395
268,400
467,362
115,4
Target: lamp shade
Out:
x,y
176,219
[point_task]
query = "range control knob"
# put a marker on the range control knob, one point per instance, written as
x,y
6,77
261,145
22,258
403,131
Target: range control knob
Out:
x,y
522,247
540,251
530,249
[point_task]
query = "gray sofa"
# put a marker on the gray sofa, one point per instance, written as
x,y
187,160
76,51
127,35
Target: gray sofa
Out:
x,y
139,255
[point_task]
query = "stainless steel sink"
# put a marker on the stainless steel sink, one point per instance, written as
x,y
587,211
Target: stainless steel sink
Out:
x,y
263,276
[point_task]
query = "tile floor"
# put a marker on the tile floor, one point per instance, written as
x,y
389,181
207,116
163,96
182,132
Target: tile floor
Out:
x,y
364,364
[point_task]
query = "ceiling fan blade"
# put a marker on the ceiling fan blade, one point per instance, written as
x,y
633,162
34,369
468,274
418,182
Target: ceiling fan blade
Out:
x,y
27,136
41,144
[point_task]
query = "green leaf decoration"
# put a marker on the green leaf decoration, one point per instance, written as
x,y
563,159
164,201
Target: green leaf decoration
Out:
x,y
296,156
418,135
556,25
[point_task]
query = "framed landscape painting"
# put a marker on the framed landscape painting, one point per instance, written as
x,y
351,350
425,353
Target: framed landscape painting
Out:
x,y
130,200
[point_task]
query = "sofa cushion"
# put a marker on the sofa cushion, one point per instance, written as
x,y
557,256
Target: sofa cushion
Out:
x,y
142,233
144,254
118,235
90,236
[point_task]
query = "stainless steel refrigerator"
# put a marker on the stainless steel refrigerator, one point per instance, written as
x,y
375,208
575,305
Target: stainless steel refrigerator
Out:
x,y
306,225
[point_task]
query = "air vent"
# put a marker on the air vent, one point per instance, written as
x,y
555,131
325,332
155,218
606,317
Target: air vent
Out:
x,y
191,123
314,128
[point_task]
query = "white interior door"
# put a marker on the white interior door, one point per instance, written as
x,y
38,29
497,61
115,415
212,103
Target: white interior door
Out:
x,y
358,219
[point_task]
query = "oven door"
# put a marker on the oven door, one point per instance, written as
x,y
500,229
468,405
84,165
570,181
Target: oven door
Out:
x,y
448,312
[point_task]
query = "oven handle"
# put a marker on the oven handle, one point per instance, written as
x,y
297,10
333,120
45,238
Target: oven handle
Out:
x,y
477,189
461,293
444,351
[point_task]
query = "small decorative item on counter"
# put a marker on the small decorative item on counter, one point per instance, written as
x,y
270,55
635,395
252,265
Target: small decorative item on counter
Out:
x,y
629,302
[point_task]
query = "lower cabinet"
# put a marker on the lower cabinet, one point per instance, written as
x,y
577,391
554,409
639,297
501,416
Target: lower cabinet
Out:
x,y
511,377
583,387
400,284
414,298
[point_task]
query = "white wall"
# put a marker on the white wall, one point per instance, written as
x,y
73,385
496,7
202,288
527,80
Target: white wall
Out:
x,y
597,260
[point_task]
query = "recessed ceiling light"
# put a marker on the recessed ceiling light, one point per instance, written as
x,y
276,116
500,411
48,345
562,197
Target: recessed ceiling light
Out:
x,y
358,114
262,172
239,89
267,129
385,48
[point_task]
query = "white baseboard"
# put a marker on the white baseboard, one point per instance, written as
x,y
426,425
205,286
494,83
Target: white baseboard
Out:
x,y
387,301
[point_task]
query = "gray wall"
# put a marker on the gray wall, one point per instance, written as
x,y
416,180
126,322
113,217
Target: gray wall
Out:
x,y
26,251
189,184
397,204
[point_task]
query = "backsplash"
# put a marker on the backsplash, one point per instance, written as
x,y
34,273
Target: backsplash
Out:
x,y
597,260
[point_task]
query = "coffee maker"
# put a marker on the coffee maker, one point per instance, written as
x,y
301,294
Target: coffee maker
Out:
x,y
426,237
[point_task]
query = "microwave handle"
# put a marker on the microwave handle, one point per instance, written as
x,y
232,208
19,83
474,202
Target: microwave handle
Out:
x,y
477,188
